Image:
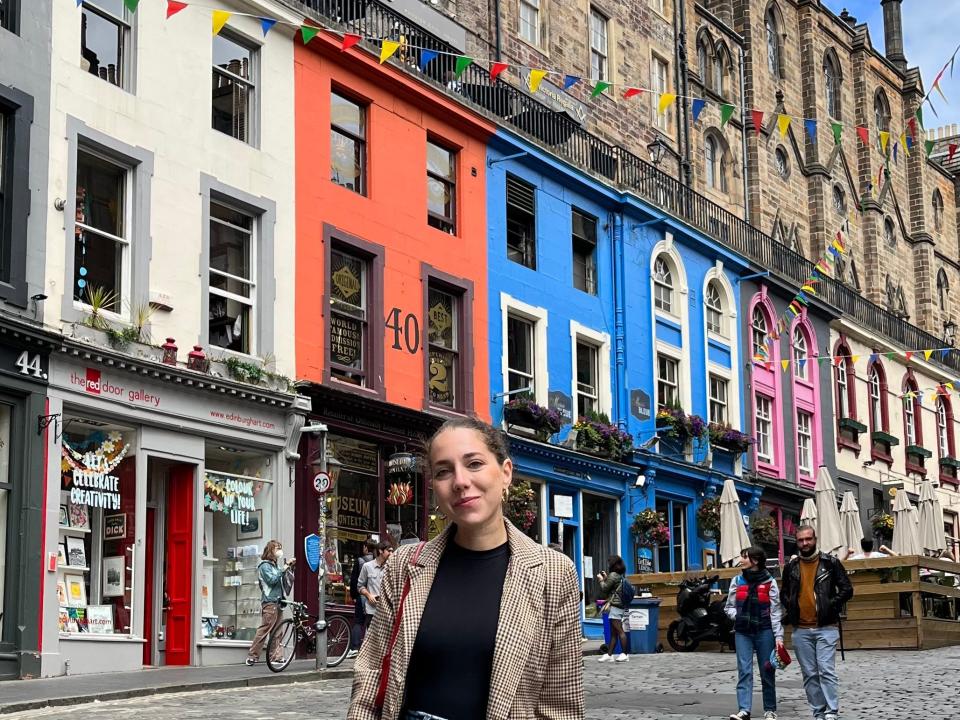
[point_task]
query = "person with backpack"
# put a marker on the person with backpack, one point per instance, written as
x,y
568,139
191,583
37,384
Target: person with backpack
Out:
x,y
753,603
276,580
618,592
359,614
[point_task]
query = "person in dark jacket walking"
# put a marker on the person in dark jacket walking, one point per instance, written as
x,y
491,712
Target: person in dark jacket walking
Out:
x,y
611,583
815,589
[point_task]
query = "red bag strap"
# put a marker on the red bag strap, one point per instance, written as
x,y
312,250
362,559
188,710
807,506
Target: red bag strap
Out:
x,y
394,632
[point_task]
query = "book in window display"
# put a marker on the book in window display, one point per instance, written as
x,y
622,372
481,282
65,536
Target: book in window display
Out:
x,y
76,552
79,517
76,591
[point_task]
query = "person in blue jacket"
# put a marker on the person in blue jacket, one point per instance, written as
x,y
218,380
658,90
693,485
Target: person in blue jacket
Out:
x,y
270,574
753,603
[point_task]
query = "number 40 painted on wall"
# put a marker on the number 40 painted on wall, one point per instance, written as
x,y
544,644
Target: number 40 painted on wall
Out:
x,y
409,330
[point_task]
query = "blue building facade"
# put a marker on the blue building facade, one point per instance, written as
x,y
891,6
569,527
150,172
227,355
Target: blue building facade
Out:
x,y
597,309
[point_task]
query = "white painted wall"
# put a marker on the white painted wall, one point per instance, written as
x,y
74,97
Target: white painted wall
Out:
x,y
168,113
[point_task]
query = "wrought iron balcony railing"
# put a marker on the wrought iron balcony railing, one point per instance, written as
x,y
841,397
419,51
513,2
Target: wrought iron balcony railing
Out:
x,y
564,136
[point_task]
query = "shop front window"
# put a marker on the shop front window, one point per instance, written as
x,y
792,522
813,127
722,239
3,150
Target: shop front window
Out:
x,y
353,505
671,557
5,488
96,528
599,543
237,524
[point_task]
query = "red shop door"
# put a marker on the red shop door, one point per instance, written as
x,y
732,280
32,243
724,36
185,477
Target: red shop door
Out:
x,y
179,561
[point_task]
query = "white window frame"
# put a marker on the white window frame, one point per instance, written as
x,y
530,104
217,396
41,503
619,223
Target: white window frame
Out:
x,y
910,419
599,24
714,399
253,264
875,398
805,443
770,457
660,379
252,85
943,435
125,22
539,317
755,331
714,310
843,390
601,341
661,287
800,349
535,7
660,83
126,269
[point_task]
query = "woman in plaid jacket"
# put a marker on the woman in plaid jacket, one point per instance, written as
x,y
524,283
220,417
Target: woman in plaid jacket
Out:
x,y
485,622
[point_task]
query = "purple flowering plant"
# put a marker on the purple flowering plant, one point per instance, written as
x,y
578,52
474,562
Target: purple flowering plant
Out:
x,y
680,425
524,411
724,436
595,433
650,528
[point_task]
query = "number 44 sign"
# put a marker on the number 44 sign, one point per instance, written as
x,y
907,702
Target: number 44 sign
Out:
x,y
23,363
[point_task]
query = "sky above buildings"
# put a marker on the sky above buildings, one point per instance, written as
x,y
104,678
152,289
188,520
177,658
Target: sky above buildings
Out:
x,y
930,31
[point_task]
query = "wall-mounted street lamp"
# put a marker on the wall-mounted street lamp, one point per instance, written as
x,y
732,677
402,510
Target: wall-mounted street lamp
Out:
x,y
949,332
657,149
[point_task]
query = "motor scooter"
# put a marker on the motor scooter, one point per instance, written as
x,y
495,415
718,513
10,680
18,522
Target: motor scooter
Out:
x,y
700,620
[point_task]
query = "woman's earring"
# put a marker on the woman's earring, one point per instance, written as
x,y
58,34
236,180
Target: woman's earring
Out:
x,y
505,494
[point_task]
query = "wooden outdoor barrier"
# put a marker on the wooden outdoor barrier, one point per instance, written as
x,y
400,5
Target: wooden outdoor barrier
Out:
x,y
909,603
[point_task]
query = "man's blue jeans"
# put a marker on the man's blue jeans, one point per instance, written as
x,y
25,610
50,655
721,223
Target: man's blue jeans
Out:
x,y
760,645
816,650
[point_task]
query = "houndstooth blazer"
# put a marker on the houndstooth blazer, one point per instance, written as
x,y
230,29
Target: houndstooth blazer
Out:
x,y
537,658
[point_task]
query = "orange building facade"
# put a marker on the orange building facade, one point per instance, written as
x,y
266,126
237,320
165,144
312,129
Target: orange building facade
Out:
x,y
391,288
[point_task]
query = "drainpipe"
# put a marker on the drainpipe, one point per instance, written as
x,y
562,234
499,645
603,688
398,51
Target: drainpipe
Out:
x,y
682,83
620,342
496,29
743,140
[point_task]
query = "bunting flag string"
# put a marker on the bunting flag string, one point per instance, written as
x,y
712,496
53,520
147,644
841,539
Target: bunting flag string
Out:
x,y
664,100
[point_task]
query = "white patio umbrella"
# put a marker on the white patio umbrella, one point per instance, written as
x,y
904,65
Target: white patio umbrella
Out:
x,y
905,538
733,534
829,532
808,516
930,527
850,521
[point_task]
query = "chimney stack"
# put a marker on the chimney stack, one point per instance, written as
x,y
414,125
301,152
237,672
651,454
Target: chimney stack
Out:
x,y
893,33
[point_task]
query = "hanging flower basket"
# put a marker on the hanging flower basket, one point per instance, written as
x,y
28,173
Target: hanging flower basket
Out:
x,y
650,528
763,530
520,505
708,518
882,524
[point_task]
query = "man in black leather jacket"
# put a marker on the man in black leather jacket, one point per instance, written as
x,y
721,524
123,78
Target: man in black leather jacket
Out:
x,y
814,590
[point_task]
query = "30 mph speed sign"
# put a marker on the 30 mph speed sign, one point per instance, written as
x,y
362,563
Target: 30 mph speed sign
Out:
x,y
322,483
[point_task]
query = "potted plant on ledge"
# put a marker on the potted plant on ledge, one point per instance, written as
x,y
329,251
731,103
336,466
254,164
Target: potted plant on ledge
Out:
x,y
678,430
650,528
597,436
524,412
708,518
520,505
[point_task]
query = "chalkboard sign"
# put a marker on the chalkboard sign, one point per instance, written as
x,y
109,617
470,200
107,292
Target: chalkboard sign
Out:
x,y
644,565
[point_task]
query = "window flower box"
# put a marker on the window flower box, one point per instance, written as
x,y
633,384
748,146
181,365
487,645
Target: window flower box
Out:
x,y
949,462
878,436
856,426
918,451
523,412
596,435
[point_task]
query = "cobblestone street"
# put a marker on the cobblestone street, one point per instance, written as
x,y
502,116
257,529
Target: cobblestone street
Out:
x,y
877,685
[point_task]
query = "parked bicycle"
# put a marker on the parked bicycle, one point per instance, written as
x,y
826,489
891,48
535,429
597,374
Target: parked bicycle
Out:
x,y
300,633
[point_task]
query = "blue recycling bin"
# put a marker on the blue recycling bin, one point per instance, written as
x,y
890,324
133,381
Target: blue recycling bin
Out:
x,y
644,618
606,630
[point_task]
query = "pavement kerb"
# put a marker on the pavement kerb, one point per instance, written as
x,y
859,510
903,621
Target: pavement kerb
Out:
x,y
278,679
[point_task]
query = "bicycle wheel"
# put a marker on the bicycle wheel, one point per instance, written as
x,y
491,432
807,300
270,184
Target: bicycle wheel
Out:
x,y
338,640
282,645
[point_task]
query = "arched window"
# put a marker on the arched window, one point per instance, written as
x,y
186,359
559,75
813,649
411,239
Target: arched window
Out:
x,y
839,200
662,285
783,162
881,111
889,233
944,427
703,62
846,395
721,60
877,388
761,331
943,289
913,430
937,210
774,47
714,304
831,83
713,161
800,353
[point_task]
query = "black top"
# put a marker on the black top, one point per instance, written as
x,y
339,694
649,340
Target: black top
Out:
x,y
449,672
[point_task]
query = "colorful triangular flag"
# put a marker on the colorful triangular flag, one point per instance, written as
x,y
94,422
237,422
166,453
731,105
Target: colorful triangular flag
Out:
x,y
783,124
920,116
889,355
536,77
912,125
666,100
837,129
863,134
726,112
903,143
131,5
927,354
599,88
387,49
928,147
631,92
854,358
951,151
349,40
697,107
266,24
173,7
463,62
811,126
757,120
803,362
908,354
497,68
884,141
309,32
427,57
570,80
